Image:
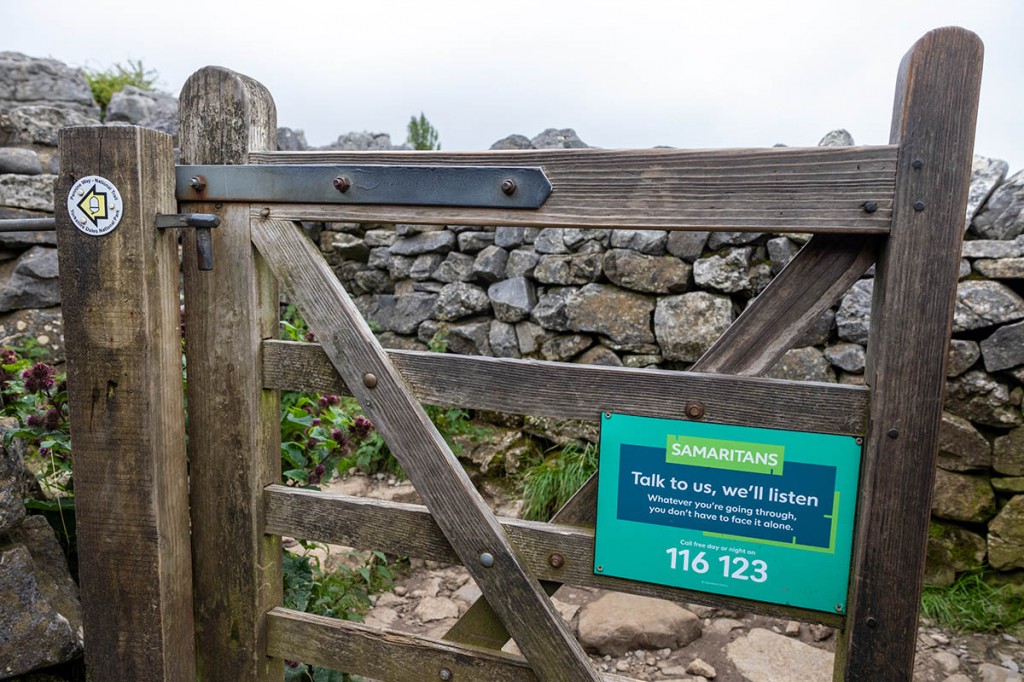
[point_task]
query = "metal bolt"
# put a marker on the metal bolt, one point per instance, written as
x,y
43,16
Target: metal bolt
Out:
x,y
918,164
445,674
607,415
556,560
600,569
265,212
839,608
870,206
341,183
486,559
198,183
694,409
859,440
369,380
871,622
918,205
508,186
893,433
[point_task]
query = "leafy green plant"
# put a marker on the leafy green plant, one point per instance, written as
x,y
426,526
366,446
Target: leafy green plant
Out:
x,y
549,484
105,82
974,604
319,434
421,134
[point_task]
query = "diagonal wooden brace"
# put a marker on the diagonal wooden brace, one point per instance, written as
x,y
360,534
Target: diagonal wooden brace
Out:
x,y
812,282
460,512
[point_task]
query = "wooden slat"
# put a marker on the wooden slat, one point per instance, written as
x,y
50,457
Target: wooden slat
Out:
x,y
409,530
821,272
234,425
571,391
457,507
390,655
758,190
915,287
120,305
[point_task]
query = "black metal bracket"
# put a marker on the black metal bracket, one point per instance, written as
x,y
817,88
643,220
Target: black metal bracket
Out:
x,y
459,186
202,222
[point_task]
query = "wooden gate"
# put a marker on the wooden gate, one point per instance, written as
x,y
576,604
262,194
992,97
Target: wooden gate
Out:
x,y
182,572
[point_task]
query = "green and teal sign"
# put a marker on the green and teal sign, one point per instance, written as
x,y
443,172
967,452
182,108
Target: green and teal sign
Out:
x,y
761,514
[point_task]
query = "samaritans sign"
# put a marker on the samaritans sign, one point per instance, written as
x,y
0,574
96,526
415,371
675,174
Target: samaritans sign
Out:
x,y
755,513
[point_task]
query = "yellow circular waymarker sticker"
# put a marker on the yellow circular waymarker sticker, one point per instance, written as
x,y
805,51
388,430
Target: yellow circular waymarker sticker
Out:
x,y
95,205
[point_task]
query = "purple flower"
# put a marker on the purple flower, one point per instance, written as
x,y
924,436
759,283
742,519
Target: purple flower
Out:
x,y
34,420
333,400
8,357
310,337
361,427
52,419
38,377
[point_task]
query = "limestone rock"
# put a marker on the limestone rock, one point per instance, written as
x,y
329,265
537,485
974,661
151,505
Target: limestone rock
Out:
x,y
994,248
513,142
19,161
512,299
854,316
717,240
33,282
458,300
503,340
961,446
550,311
552,138
764,656
425,265
1006,536
686,245
349,247
565,347
686,325
652,274
401,314
803,364
728,271
511,237
289,140
951,550
1001,218
846,356
363,141
568,269
30,80
960,497
13,478
1011,485
616,623
649,242
700,667
1004,348
466,337
989,672
1001,268
836,138
983,304
781,250
819,332
456,267
1008,453
30,192
490,264
531,337
986,175
146,108
623,316
551,240
472,242
430,609
440,241
962,356
400,342
977,396
521,262
38,125
600,355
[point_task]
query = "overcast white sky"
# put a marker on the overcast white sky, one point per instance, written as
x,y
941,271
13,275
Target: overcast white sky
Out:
x,y
622,74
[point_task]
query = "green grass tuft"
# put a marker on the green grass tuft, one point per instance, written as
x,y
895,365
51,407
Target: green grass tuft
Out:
x,y
549,484
972,604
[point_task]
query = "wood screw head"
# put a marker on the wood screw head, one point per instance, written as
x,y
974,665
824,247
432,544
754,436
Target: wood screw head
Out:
x,y
508,186
918,205
369,380
893,433
871,622
341,183
839,608
918,164
486,559
265,212
445,674
870,206
556,560
694,409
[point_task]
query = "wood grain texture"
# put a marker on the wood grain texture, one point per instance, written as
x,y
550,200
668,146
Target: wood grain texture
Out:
x,y
438,476
409,530
756,190
234,427
821,272
120,305
915,286
571,391
390,655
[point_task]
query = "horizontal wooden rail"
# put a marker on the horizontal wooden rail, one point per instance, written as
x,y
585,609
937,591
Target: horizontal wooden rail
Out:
x,y
819,190
572,391
409,530
389,654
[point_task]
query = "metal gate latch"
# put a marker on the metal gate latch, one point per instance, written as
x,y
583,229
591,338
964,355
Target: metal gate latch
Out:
x,y
202,222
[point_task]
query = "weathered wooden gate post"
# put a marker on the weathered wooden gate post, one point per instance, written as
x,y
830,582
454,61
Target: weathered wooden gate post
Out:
x,y
234,425
119,285
912,313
